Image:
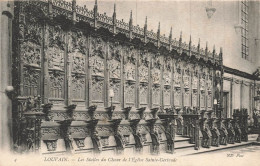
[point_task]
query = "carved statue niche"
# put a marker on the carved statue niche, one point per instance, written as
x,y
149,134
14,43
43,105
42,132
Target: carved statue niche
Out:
x,y
202,89
77,42
156,67
209,89
97,54
114,67
177,75
143,67
194,84
167,81
186,78
130,77
114,60
97,67
130,62
143,78
167,70
186,85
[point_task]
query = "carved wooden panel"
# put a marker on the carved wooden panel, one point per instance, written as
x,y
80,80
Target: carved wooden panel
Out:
x,y
143,94
143,67
114,68
177,97
56,62
31,82
156,79
167,77
31,54
77,56
143,78
56,89
130,62
167,96
97,66
56,59
130,94
97,90
78,87
115,85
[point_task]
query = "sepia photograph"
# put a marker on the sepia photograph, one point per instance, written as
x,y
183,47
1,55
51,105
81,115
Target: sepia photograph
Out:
x,y
130,82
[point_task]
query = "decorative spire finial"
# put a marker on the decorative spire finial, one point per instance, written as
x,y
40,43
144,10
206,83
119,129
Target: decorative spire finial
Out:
x,y
170,36
114,14
159,28
131,18
181,36
114,7
220,54
145,26
190,40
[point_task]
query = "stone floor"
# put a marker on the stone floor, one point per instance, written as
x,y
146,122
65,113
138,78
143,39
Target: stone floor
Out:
x,y
244,147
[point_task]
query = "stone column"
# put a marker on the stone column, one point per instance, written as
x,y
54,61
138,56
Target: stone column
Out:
x,y
6,10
